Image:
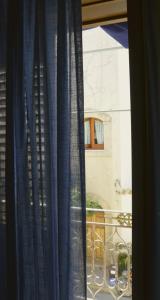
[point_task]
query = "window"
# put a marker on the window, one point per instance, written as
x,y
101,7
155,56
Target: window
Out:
x,y
94,134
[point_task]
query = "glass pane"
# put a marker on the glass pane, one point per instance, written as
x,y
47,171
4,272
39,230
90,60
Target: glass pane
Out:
x,y
98,132
87,132
108,172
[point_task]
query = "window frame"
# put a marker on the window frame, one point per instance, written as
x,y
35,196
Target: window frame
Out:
x,y
92,145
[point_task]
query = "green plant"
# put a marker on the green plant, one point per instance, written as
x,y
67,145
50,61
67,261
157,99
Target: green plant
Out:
x,y
122,263
90,203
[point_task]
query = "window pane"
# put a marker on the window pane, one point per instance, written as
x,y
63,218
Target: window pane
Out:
x,y
87,133
108,172
98,132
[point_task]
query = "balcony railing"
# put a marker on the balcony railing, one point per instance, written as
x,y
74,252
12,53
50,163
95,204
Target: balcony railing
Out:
x,y
109,254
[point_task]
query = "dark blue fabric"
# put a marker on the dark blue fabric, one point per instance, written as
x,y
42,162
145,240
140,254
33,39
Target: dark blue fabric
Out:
x,y
144,45
119,32
45,180
3,42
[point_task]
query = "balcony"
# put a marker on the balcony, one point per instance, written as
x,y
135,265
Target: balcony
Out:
x,y
109,255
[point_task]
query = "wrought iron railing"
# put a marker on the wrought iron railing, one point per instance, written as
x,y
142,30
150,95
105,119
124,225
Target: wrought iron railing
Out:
x,y
109,254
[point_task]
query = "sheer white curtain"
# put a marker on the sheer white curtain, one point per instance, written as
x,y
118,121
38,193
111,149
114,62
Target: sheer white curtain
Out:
x,y
99,132
87,133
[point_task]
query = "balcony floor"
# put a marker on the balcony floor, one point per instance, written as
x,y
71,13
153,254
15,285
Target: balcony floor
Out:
x,y
104,296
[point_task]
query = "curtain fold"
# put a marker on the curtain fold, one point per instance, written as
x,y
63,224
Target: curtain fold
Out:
x,y
44,173
144,47
3,249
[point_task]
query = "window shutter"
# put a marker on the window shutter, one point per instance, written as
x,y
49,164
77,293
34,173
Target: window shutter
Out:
x,y
40,145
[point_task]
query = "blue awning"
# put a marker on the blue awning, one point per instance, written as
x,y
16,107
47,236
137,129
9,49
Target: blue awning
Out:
x,y
119,32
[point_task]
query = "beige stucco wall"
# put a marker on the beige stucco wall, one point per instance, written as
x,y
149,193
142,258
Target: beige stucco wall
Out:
x,y
107,97
99,171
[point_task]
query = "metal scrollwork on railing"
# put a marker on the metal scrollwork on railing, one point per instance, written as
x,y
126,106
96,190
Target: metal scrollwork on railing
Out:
x,y
125,219
109,256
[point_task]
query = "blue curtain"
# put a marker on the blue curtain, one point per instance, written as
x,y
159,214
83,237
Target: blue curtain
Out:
x,y
42,188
